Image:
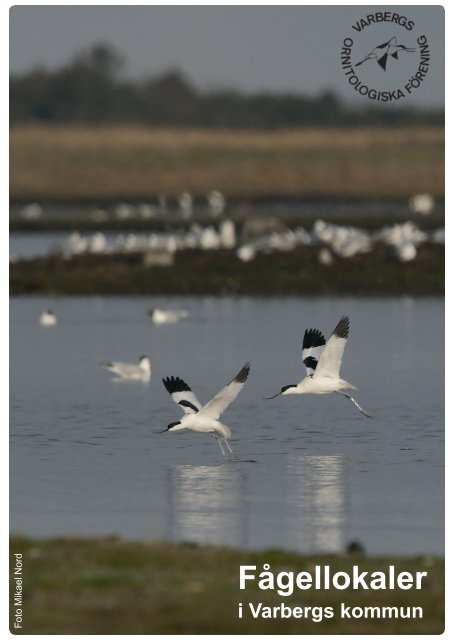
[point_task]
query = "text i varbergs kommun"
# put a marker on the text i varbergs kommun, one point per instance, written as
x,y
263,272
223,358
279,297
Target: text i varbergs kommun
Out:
x,y
285,583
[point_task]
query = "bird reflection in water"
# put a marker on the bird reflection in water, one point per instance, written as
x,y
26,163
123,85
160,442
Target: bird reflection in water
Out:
x,y
316,503
207,505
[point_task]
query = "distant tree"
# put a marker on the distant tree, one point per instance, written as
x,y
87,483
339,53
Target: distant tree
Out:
x,y
91,89
104,62
169,99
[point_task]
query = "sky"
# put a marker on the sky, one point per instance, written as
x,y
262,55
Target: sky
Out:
x,y
251,48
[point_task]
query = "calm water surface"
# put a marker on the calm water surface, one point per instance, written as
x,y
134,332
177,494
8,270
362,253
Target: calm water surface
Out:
x,y
85,458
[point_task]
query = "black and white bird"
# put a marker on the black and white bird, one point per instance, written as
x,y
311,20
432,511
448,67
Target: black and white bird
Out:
x,y
130,371
205,419
322,361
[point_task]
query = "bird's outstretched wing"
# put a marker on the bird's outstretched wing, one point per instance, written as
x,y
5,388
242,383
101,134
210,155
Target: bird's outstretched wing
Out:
x,y
330,359
311,348
221,401
181,394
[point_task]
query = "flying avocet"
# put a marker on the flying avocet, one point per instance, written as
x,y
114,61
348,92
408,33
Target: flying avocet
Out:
x,y
48,318
130,371
322,361
205,419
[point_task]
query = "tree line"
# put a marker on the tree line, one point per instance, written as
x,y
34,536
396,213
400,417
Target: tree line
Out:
x,y
91,89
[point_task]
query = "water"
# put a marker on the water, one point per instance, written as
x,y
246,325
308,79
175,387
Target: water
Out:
x,y
310,207
85,458
25,246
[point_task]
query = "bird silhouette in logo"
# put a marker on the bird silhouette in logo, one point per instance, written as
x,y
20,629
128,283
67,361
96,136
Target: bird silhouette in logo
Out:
x,y
383,52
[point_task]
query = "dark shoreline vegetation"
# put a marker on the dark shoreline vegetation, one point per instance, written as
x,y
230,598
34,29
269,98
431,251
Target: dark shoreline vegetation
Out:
x,y
113,586
92,88
220,272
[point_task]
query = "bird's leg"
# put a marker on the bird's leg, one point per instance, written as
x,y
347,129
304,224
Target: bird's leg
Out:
x,y
233,455
221,447
346,395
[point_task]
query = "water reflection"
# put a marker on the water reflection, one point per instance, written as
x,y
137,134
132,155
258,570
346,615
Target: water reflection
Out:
x,y
316,503
207,505
210,504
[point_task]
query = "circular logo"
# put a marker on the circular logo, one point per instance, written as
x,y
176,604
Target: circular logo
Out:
x,y
384,57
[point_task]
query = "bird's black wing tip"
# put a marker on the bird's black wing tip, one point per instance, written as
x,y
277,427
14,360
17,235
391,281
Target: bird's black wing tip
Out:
x,y
313,338
174,385
243,373
342,328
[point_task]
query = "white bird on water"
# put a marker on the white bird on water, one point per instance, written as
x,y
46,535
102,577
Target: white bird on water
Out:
x,y
48,318
130,371
205,419
322,361
167,316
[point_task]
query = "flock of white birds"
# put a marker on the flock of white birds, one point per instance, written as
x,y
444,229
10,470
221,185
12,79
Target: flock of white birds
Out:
x,y
330,239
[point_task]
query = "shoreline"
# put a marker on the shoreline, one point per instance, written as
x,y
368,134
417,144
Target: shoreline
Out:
x,y
221,273
113,586
84,222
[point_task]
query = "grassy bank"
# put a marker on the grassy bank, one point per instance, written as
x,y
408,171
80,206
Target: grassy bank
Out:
x,y
131,162
221,273
109,586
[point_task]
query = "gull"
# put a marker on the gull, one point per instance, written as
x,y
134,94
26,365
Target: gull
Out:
x,y
131,371
227,234
404,238
32,211
167,316
97,243
422,203
48,318
322,361
210,239
205,419
185,200
75,244
217,202
124,211
146,211
344,241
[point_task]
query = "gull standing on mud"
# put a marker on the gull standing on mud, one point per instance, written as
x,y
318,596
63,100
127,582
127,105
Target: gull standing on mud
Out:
x,y
205,419
322,361
129,371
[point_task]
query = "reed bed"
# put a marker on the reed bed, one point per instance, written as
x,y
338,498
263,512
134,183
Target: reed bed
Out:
x,y
136,163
